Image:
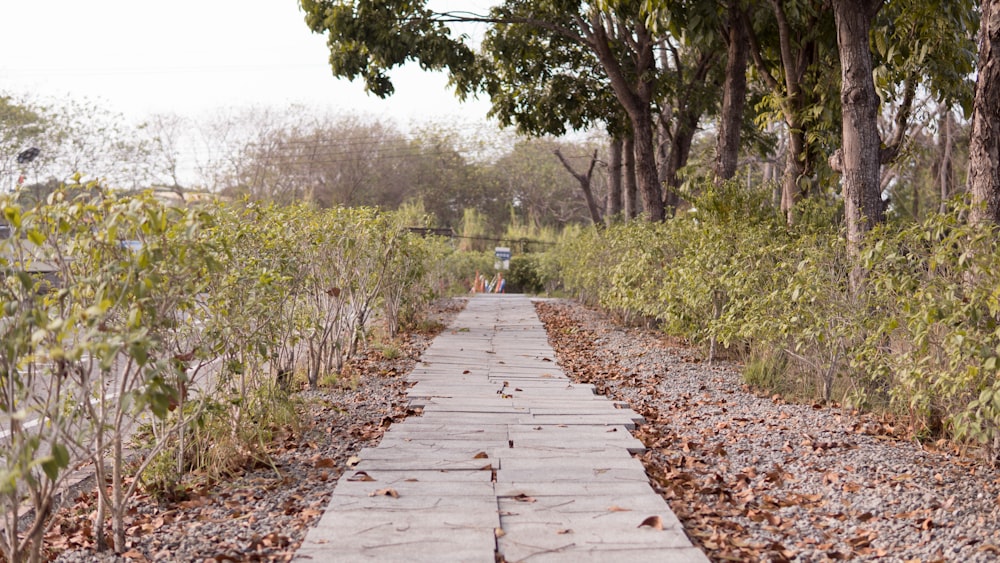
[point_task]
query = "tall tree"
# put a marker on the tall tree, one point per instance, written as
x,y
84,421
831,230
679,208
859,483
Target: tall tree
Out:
x,y
584,179
984,146
367,38
613,205
792,46
734,91
860,164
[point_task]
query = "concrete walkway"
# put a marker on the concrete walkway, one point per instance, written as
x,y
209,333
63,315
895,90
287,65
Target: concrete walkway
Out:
x,y
509,458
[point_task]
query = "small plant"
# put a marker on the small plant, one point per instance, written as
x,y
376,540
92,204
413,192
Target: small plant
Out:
x,y
766,370
389,352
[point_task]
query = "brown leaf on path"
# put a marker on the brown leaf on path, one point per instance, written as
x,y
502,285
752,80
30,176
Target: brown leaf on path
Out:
x,y
566,531
524,498
384,493
481,455
616,508
654,522
353,460
360,476
498,532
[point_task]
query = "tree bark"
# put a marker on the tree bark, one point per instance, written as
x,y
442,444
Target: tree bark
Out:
x,y
584,181
945,168
631,189
984,145
645,166
795,169
734,94
787,87
677,157
861,160
636,98
614,202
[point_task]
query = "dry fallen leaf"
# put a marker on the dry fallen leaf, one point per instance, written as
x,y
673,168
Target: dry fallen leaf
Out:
x,y
361,476
566,531
384,493
353,460
498,532
524,498
654,522
480,455
617,508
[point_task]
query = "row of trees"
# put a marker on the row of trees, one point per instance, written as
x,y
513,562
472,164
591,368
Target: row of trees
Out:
x,y
294,155
194,321
349,161
831,88
854,111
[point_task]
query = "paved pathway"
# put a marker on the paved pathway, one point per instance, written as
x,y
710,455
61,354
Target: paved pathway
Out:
x,y
509,457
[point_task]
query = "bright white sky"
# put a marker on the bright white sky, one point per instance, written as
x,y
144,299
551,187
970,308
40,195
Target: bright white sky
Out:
x,y
194,56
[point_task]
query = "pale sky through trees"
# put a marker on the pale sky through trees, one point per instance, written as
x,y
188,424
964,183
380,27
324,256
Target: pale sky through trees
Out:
x,y
194,56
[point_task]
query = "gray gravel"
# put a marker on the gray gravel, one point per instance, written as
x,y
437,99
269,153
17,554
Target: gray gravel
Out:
x,y
754,478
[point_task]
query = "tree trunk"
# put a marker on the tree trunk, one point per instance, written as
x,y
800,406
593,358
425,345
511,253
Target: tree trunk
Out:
x,y
614,203
861,143
943,170
984,145
645,165
584,181
635,91
631,190
734,94
680,151
795,169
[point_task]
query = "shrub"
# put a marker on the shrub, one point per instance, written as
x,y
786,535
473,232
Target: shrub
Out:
x,y
525,275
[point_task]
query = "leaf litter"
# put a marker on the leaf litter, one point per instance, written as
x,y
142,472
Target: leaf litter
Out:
x,y
263,513
757,478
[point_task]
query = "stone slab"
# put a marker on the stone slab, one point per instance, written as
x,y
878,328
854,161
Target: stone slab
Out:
x,y
500,425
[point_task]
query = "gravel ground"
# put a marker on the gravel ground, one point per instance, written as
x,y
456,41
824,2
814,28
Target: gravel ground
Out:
x,y
755,479
264,513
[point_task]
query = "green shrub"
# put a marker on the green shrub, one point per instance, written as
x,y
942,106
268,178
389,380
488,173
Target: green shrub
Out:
x,y
525,275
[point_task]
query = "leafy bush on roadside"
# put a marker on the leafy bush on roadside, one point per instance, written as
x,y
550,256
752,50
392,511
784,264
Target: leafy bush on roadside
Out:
x,y
525,274
937,338
922,337
197,320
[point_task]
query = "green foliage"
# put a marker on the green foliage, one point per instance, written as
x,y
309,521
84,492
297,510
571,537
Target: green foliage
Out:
x,y
525,275
368,39
114,309
922,338
936,339
455,272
